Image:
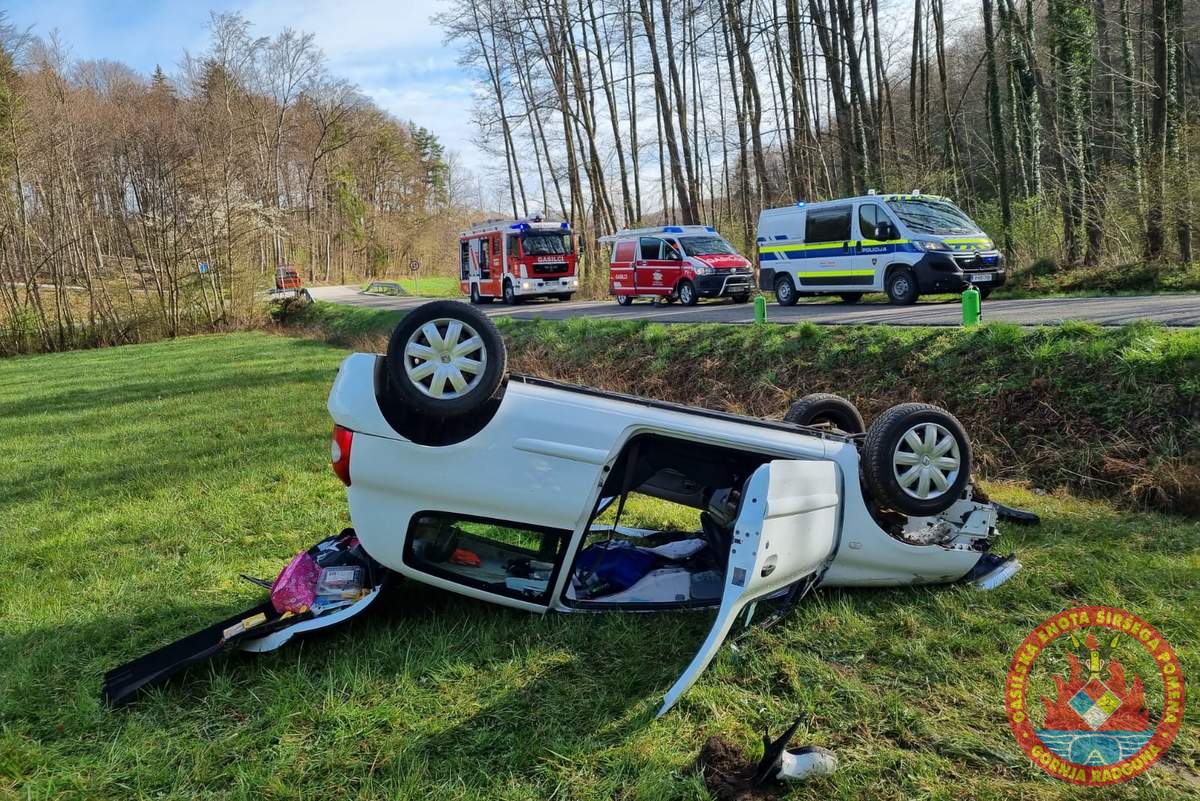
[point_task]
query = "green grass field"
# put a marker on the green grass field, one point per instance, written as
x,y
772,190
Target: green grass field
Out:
x,y
137,482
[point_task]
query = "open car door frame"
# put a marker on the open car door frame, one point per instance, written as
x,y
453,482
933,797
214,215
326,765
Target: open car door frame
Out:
x,y
786,530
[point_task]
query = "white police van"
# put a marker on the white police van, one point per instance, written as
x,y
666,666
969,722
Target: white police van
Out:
x,y
905,245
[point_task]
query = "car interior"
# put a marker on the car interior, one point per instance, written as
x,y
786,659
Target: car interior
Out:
x,y
686,496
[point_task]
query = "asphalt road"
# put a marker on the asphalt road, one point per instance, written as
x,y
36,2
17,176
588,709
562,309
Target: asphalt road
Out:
x,y
1171,310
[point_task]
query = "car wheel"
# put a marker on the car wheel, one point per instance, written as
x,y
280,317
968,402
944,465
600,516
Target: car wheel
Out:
x,y
624,300
984,292
825,409
510,294
741,298
445,359
902,287
851,297
785,291
475,299
687,294
916,459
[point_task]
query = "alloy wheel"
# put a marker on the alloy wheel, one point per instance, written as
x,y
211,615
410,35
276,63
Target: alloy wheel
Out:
x,y
445,358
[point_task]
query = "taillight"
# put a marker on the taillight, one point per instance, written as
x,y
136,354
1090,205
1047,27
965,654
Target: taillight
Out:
x,y
343,438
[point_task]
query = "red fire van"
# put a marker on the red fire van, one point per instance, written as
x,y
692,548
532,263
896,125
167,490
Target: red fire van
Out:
x,y
676,262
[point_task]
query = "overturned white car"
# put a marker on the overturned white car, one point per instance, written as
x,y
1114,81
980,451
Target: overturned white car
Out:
x,y
514,490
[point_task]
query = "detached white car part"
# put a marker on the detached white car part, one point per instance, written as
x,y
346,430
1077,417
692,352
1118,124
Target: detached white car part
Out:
x,y
493,489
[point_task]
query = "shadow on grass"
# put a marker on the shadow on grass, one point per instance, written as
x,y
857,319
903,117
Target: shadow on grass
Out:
x,y
505,690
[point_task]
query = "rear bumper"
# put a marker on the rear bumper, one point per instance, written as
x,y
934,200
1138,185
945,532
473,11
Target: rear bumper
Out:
x,y
723,284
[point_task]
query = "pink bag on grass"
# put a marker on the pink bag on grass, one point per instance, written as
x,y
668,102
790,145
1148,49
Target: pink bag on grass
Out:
x,y
296,588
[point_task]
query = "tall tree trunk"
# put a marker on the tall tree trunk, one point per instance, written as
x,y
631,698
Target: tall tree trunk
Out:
x,y
999,151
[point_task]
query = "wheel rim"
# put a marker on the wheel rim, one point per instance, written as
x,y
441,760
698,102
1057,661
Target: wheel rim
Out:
x,y
445,358
900,287
785,290
685,294
926,461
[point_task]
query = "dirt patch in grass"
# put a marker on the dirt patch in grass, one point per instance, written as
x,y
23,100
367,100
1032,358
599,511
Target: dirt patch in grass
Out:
x,y
729,773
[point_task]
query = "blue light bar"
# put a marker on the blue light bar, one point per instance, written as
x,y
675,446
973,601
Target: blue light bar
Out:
x,y
564,226
710,229
799,202
520,226
672,229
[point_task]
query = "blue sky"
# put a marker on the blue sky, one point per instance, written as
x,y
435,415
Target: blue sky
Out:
x,y
389,48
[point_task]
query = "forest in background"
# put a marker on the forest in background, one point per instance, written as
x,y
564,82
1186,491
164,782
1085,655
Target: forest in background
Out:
x,y
1065,127
116,187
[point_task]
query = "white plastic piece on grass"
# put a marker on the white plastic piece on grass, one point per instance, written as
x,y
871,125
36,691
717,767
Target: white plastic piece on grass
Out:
x,y
807,762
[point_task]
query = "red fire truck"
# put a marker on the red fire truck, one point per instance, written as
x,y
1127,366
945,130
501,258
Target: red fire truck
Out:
x,y
517,259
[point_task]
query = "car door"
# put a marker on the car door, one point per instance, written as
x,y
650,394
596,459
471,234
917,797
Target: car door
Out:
x,y
829,253
786,530
872,248
650,268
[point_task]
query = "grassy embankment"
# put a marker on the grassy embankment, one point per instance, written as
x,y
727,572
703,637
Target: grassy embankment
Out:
x,y
137,483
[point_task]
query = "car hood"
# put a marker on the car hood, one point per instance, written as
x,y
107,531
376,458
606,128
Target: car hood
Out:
x,y
722,261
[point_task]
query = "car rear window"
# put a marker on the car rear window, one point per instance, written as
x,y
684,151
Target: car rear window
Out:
x,y
828,225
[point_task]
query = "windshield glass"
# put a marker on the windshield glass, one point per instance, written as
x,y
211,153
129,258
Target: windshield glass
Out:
x,y
546,244
705,245
933,216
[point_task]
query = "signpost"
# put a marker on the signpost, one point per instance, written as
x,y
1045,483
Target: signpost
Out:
x,y
414,267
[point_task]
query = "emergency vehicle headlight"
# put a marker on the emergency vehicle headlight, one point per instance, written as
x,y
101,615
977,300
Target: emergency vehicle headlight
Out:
x,y
704,269
525,285
930,245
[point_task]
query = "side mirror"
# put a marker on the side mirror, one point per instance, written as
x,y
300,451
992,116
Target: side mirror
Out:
x,y
885,231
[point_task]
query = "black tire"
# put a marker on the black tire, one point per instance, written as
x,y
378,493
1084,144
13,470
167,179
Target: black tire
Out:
x,y
902,287
886,451
510,294
624,300
850,297
743,298
785,291
412,390
566,297
825,409
687,293
984,292
475,297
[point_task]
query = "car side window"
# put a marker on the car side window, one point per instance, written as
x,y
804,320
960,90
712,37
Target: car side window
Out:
x,y
624,251
506,558
465,260
651,248
514,246
828,225
868,218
